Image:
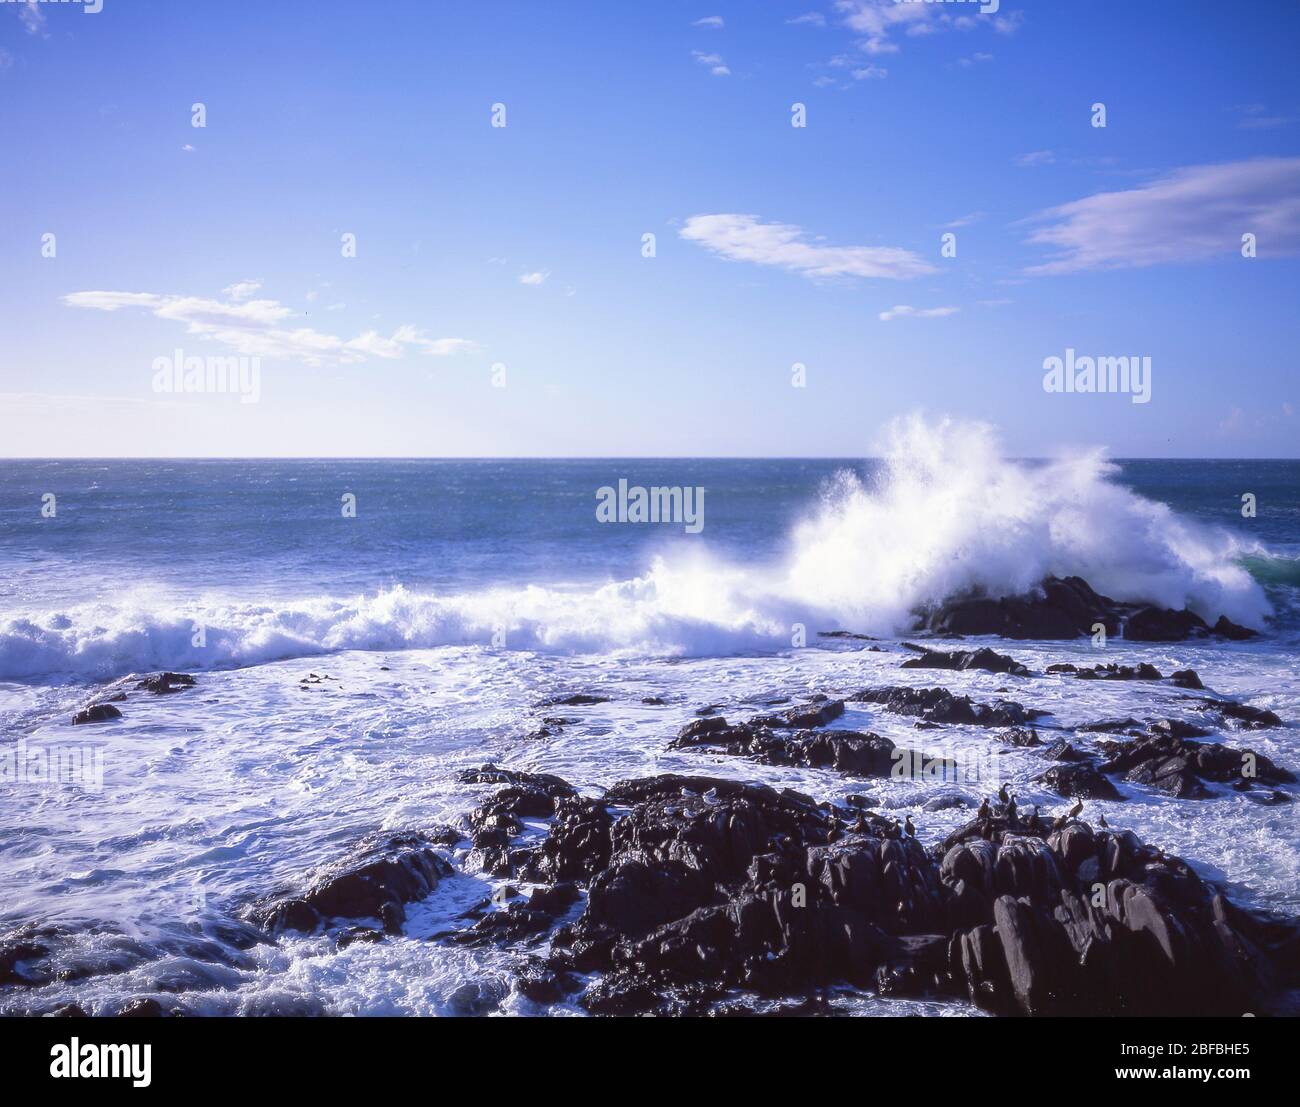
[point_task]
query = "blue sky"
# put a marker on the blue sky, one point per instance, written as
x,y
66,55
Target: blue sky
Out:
x,y
521,246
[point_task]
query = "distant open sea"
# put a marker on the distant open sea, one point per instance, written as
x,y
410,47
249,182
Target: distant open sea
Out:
x,y
463,592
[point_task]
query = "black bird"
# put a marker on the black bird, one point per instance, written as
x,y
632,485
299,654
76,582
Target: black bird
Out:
x,y
1104,823
1059,822
907,825
1004,795
1011,811
1076,810
983,813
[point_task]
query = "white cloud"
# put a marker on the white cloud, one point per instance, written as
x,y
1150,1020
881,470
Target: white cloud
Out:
x,y
187,148
536,278
974,59
877,20
714,21
33,19
716,65
870,73
1190,214
906,311
259,328
242,290
965,220
810,19
1036,157
747,238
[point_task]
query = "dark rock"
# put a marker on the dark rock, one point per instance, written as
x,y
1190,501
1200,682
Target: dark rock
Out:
x,y
938,705
1019,736
818,713
1056,609
1154,624
1171,763
1186,678
703,888
141,1009
68,1011
1061,750
1251,718
577,699
96,713
1119,672
1079,780
984,659
384,873
1226,628
163,683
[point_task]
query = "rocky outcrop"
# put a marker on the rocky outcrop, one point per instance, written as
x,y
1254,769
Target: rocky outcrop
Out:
x,y
938,705
1061,608
961,660
1079,780
96,713
696,887
161,684
1172,763
845,751
383,874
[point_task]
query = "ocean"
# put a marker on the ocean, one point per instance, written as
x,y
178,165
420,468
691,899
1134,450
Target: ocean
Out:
x,y
363,630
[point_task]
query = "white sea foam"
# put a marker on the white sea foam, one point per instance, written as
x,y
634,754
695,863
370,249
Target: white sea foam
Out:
x,y
947,515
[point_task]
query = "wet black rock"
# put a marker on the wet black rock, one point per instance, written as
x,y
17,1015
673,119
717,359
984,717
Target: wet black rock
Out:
x,y
96,713
817,713
141,1009
1186,678
1250,718
1062,608
163,683
1080,780
577,699
938,705
697,887
845,751
1175,765
984,659
1226,628
383,874
1020,736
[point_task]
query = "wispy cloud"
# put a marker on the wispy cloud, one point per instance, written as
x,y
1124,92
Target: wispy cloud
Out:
x,y
878,20
974,59
870,73
534,278
714,21
260,328
964,220
32,18
242,290
906,311
1257,117
808,19
747,238
1036,157
1190,214
716,65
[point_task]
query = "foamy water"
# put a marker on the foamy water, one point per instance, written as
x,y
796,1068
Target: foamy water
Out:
x,y
464,594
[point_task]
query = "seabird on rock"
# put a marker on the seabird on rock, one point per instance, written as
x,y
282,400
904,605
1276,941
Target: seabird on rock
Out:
x,y
1104,823
907,825
1076,810
1004,795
